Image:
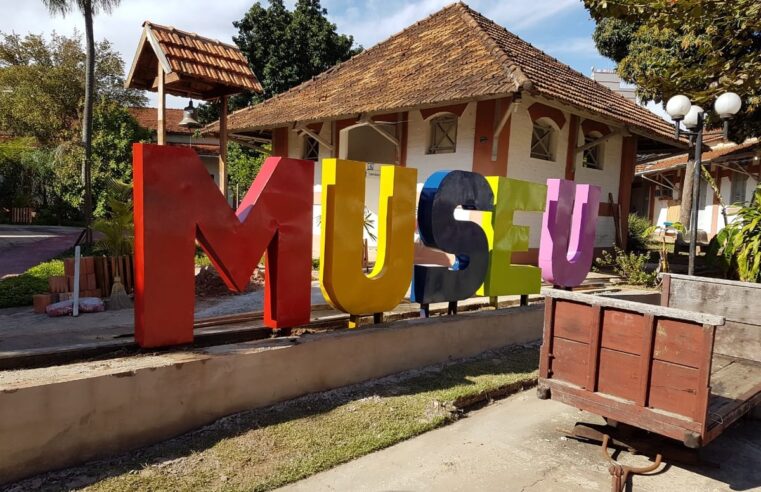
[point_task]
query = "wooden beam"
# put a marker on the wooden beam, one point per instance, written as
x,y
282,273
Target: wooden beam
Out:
x,y
367,120
161,111
320,140
500,127
248,145
223,146
596,142
168,79
573,141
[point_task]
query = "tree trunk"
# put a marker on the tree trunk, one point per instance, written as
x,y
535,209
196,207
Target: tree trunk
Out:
x,y
686,206
87,123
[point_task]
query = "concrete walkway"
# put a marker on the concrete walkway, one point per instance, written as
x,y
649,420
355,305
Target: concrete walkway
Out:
x,y
515,445
23,246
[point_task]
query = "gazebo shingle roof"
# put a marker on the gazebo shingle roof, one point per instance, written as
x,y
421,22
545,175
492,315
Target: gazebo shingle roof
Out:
x,y
199,66
454,55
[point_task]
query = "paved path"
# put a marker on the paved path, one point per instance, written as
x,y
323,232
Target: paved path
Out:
x,y
514,445
22,247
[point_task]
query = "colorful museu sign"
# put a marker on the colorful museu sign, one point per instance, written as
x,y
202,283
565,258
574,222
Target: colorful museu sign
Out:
x,y
176,204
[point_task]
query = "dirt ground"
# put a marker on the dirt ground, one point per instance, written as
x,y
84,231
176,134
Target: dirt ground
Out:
x,y
22,329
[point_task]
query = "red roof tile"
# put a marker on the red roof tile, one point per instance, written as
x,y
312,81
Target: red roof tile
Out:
x,y
202,66
148,118
680,160
455,54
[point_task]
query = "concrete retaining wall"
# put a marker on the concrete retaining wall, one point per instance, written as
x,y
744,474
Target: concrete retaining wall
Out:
x,y
56,417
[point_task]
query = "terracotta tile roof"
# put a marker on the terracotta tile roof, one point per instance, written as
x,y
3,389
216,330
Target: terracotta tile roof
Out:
x,y
680,160
191,62
455,54
148,118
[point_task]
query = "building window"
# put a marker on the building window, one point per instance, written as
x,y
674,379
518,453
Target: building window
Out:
x,y
311,149
443,135
739,184
542,140
592,158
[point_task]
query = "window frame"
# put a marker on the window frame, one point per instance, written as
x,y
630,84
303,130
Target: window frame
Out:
x,y
436,130
310,144
550,134
596,154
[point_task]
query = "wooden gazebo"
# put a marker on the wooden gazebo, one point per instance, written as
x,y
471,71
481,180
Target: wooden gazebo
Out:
x,y
180,63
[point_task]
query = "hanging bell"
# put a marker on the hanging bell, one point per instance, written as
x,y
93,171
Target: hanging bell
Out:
x,y
189,117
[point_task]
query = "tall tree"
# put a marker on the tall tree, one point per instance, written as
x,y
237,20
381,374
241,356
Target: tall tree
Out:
x,y
694,47
88,8
285,48
42,85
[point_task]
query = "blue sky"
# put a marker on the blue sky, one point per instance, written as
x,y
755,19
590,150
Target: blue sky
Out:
x,y
562,28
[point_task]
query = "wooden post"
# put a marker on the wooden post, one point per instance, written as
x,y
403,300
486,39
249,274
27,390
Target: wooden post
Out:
x,y
161,128
223,146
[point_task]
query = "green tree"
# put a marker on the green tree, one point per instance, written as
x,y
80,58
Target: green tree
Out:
x,y
42,85
285,48
242,167
694,47
88,8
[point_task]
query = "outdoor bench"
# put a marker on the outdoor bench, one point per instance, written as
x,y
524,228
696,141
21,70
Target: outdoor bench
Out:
x,y
686,370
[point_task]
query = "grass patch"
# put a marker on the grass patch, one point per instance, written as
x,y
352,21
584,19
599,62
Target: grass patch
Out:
x,y
270,447
18,291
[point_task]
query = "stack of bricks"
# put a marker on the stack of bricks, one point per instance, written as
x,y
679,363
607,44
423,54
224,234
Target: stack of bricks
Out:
x,y
87,284
61,287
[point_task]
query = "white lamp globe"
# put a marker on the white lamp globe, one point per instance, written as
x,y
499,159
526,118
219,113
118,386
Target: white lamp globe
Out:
x,y
691,118
727,105
678,106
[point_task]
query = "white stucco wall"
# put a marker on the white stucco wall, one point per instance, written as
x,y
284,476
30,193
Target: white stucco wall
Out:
x,y
418,143
522,166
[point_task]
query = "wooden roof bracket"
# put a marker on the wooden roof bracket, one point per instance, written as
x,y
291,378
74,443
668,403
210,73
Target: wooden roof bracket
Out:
x,y
368,120
258,147
511,108
729,166
598,141
658,182
301,129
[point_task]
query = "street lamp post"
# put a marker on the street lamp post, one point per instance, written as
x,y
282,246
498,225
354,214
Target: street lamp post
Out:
x,y
681,109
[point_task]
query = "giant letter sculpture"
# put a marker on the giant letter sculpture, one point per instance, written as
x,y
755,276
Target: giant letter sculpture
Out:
x,y
568,232
442,193
176,203
342,280
504,278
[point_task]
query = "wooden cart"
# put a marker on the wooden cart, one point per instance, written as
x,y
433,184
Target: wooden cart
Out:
x,y
686,370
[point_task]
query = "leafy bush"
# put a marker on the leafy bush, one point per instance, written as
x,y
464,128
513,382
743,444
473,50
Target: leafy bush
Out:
x,y
118,228
737,247
629,266
638,233
18,291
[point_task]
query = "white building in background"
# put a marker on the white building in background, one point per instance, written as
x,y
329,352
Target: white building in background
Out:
x,y
457,91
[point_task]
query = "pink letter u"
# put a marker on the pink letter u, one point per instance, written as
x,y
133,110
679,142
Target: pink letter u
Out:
x,y
566,250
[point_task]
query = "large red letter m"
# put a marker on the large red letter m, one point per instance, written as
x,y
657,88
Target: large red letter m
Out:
x,y
176,203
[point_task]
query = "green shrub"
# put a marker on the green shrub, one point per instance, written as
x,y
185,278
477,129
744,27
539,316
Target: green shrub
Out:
x,y
18,290
736,249
629,266
638,233
315,263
